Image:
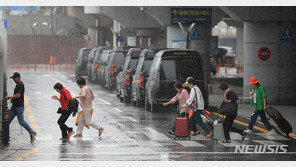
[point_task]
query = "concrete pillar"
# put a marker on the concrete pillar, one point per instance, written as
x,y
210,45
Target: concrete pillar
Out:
x,y
93,34
277,74
240,44
116,28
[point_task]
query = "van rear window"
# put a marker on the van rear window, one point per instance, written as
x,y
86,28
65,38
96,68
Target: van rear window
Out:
x,y
118,59
179,69
133,63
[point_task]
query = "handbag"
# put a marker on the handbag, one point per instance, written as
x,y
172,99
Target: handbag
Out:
x,y
227,108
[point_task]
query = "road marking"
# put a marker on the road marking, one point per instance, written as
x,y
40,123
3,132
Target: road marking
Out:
x,y
151,130
119,110
242,123
34,126
26,155
30,115
132,119
104,101
190,144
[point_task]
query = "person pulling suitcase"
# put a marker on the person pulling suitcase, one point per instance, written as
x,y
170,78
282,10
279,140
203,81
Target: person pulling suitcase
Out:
x,y
181,96
258,98
196,99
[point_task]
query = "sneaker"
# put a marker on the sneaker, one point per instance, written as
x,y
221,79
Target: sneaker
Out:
x,y
171,132
70,134
64,138
271,132
248,131
33,137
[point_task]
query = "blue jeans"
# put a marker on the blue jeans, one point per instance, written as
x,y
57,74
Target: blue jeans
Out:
x,y
253,119
19,112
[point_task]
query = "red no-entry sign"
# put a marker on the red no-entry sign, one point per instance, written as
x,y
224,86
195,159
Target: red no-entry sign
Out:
x,y
264,53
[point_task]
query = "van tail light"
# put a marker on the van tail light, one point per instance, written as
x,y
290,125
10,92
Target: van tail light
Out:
x,y
127,77
112,70
141,80
97,67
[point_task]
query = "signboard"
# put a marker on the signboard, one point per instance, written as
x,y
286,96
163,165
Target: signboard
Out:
x,y
264,53
191,15
120,38
196,36
5,23
179,44
287,35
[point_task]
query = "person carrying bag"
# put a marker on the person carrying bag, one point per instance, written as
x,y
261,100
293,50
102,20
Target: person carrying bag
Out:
x,y
229,109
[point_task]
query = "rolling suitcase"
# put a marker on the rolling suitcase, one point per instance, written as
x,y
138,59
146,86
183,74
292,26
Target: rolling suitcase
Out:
x,y
281,122
218,130
181,127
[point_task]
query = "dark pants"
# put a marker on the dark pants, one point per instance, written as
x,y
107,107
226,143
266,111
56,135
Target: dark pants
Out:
x,y
183,115
64,128
227,126
253,119
196,119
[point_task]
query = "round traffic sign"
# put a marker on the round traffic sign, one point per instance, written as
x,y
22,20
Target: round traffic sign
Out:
x,y
264,53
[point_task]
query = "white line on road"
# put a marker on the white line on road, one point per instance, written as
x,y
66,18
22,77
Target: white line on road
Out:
x,y
132,119
104,101
119,110
151,130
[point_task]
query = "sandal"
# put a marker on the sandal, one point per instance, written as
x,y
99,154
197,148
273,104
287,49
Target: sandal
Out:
x,y
78,135
244,136
209,135
101,131
226,141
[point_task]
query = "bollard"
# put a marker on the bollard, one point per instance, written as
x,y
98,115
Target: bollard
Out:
x,y
225,69
21,66
242,69
60,67
53,67
13,65
35,66
50,67
217,69
46,66
17,65
28,67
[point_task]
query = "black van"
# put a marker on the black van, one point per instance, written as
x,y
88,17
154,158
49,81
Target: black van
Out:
x,y
141,76
102,66
81,62
115,65
95,65
125,78
90,61
168,67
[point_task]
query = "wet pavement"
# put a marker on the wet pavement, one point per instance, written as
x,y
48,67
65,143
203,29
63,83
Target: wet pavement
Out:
x,y
130,133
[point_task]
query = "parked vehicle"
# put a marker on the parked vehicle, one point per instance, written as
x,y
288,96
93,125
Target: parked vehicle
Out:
x,y
115,65
125,79
141,76
168,67
102,66
95,65
81,62
90,61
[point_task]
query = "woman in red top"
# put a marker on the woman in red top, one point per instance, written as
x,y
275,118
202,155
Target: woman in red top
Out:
x,y
64,99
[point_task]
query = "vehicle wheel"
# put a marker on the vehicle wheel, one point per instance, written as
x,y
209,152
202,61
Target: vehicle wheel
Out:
x,y
147,105
126,99
153,107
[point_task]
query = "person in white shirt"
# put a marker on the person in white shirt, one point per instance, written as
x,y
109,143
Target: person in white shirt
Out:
x,y
196,100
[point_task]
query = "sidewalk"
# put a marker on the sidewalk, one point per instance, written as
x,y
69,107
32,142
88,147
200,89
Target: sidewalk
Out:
x,y
244,110
19,137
